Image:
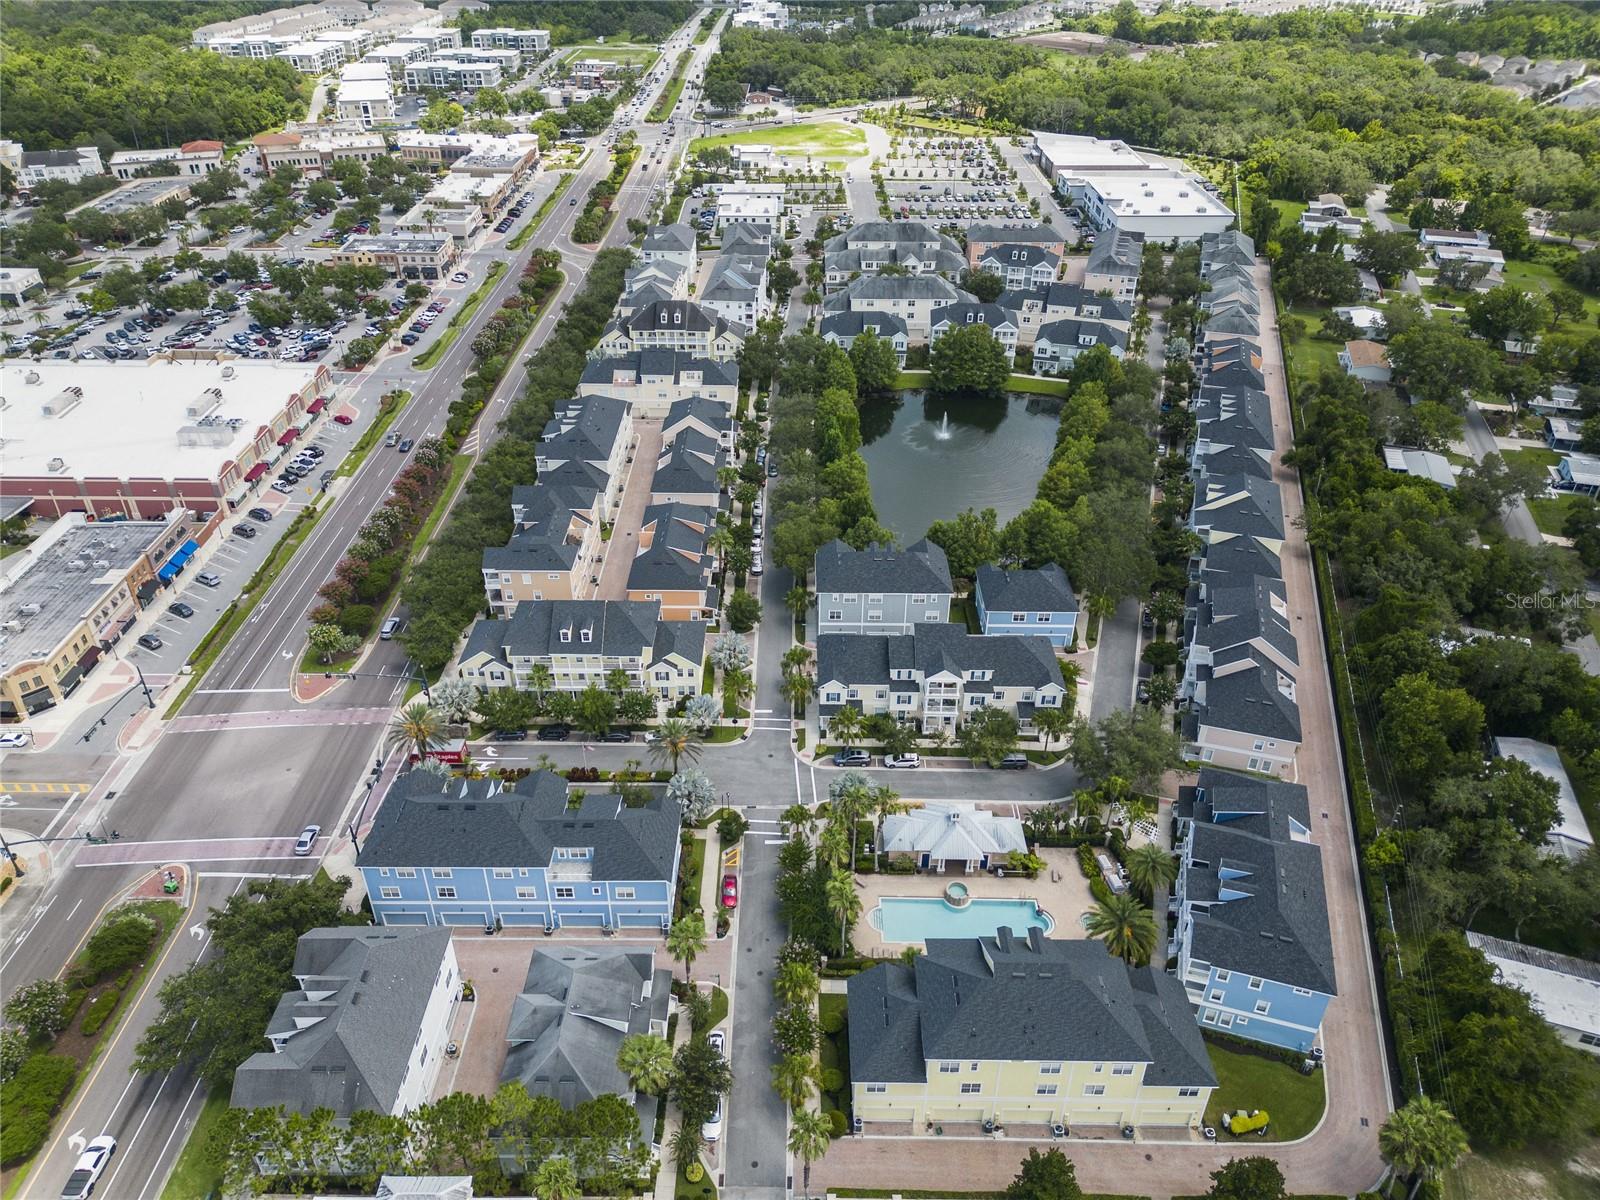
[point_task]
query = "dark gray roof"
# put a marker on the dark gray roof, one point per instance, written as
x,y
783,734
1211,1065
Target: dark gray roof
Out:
x,y
659,364
921,568
671,238
544,516
1274,922
51,158
1117,252
1240,612
1070,330
895,287
1031,232
1081,302
583,430
1234,416
740,234
1234,374
711,414
1212,458
684,638
1046,589
674,314
1240,556
1243,690
1017,255
734,277
428,821
576,1006
971,312
914,233
1033,1000
1232,320
849,324
676,559
1238,504
1016,660
689,463
613,628
346,1052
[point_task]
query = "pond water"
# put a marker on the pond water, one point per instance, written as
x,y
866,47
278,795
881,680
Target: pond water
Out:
x,y
931,458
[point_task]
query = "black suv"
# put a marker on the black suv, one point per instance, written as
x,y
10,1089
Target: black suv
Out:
x,y
554,733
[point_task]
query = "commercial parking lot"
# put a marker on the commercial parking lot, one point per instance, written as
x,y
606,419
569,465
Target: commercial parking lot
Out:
x,y
951,180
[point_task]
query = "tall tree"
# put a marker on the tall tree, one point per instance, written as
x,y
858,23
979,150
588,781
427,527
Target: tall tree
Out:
x,y
1422,1140
809,1138
1127,928
1047,1176
686,939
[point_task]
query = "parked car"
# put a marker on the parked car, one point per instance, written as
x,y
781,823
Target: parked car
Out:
x,y
852,758
905,762
13,739
179,609
616,735
509,735
1013,762
306,840
91,1165
711,1131
344,419
244,531
259,514
730,891
208,579
150,641
554,733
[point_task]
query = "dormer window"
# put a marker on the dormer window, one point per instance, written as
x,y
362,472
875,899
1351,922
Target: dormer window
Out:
x,y
586,635
566,635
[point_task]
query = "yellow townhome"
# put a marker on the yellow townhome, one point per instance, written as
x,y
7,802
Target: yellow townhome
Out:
x,y
1026,1033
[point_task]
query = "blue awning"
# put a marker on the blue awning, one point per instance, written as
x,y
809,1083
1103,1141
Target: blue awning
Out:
x,y
166,573
188,548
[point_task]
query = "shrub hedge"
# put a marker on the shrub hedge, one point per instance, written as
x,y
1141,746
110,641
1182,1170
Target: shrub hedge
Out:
x,y
28,1101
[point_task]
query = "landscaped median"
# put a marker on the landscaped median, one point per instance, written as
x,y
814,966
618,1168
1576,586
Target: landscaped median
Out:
x,y
58,1027
521,239
389,406
669,96
430,357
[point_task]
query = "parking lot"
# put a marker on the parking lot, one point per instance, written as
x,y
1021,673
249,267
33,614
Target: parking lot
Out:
x,y
951,180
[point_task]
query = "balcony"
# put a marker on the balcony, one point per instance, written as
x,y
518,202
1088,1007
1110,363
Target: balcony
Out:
x,y
570,871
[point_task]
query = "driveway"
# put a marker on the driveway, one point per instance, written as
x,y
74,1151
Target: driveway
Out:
x,y
623,547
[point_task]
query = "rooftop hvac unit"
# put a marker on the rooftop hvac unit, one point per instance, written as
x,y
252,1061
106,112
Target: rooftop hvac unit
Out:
x,y
56,466
31,377
102,563
62,402
206,402
227,372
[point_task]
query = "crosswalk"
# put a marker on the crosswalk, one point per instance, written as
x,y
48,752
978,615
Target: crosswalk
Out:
x,y
22,787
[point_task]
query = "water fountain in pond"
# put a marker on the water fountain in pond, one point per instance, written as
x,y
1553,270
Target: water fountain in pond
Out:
x,y
943,432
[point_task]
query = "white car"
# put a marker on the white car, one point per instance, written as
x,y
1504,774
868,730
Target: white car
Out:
x,y
906,762
92,1164
711,1131
13,739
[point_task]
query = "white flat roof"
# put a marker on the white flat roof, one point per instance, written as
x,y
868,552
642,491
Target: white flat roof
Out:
x,y
127,424
1072,152
466,189
362,71
1566,991
1571,832
353,91
1154,195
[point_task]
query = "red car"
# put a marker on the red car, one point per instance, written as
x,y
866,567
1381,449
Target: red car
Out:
x,y
730,891
344,419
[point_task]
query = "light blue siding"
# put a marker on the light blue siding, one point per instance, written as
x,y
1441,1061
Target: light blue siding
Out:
x,y
515,896
1230,1004
1058,626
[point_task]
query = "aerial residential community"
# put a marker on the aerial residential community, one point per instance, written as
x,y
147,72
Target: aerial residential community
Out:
x,y
745,598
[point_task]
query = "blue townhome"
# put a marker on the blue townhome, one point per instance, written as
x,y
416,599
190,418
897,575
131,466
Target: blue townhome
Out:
x,y
1040,602
476,851
1254,950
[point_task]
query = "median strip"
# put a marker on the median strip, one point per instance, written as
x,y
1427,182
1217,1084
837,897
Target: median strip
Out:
x,y
669,95
430,357
521,239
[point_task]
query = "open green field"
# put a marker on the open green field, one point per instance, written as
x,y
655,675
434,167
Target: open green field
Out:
x,y
1249,1081
1545,1174
1542,277
1550,515
629,54
824,139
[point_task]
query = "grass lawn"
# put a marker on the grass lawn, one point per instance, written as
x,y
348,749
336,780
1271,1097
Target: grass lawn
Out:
x,y
693,868
1038,385
826,139
719,1008
1542,277
965,610
669,97
458,322
374,432
1533,456
1249,1081
532,227
1308,356
626,53
704,1190
1549,515
722,734
195,1174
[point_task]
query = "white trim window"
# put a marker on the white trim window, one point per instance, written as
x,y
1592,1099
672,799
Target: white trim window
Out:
x,y
1094,1089
445,893
389,893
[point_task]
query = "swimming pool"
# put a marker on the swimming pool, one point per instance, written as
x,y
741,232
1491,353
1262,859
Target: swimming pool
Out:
x,y
908,919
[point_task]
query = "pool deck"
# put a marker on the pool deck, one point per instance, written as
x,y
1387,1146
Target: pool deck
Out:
x,y
1060,889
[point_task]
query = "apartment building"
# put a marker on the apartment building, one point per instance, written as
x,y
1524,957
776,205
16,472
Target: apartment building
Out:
x,y
1036,306
881,589
680,326
842,328
912,298
736,290
1113,266
1021,266
1000,323
524,41
910,246
671,565
554,550
654,380
588,441
984,237
671,244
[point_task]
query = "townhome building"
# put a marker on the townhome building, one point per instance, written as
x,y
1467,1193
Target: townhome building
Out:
x,y
912,298
364,1029
554,547
881,589
686,470
671,565
677,325
1243,714
936,676
1251,613
671,243
1058,343
704,416
985,236
647,283
591,435
1254,950
1002,324
1233,320
1239,506
910,246
1036,306
739,237
482,852
1330,211
653,380
527,41
579,642
957,1035
736,290
1230,248
1021,266
842,328
1039,601
1114,263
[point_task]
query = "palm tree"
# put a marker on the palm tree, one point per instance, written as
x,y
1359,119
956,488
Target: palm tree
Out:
x,y
719,541
844,726
417,726
882,803
797,659
738,684
675,739
540,681
845,903
556,1179
793,1077
686,1144
686,939
833,847
797,688
1051,722
647,1062
796,983
727,477
797,600
809,1138
1150,867
1126,926
1422,1139
798,816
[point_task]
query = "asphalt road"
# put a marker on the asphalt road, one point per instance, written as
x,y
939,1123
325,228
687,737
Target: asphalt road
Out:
x,y
260,778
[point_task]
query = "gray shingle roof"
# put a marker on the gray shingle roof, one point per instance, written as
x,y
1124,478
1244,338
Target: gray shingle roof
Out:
x,y
544,517
1278,928
734,278
1046,589
659,364
1016,255
849,324
877,233
1033,1000
614,628
1235,613
671,238
1016,660
920,568
971,312
676,559
1069,330
675,314
1116,253
1243,691
583,430
689,464
1080,301
738,235
1240,556
697,411
1238,504
687,639
896,287
576,1006
1213,458
353,1057
1031,233
428,821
